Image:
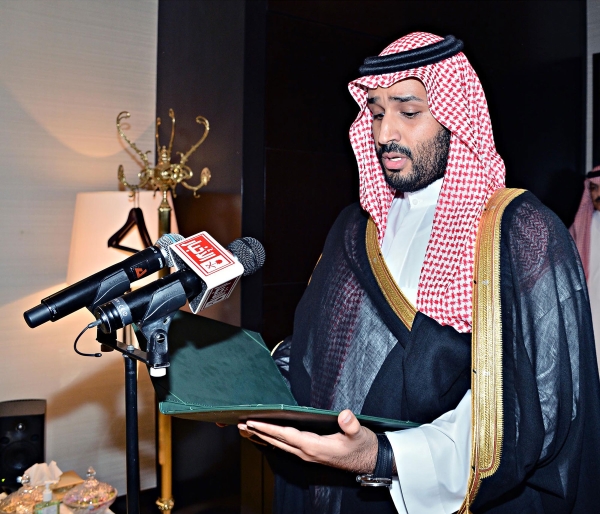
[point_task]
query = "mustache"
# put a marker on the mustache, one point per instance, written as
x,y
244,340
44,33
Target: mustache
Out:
x,y
395,148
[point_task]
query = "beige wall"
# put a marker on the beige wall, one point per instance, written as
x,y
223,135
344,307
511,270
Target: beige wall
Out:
x,y
67,67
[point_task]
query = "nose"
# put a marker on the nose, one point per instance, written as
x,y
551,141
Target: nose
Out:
x,y
388,131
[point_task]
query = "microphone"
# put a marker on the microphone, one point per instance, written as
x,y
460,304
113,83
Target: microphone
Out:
x,y
105,285
166,295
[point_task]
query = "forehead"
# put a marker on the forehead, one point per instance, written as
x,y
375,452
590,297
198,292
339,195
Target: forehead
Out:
x,y
402,89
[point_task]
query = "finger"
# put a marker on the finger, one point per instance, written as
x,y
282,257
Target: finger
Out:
x,y
282,445
244,432
258,441
285,438
306,445
221,425
287,435
249,435
349,423
330,450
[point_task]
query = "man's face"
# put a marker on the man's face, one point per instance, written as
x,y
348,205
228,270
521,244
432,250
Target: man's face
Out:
x,y
595,195
411,145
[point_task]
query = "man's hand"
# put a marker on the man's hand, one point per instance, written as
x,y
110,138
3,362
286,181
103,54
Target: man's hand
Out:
x,y
354,450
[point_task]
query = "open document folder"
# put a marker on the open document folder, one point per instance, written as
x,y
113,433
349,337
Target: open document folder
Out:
x,y
225,374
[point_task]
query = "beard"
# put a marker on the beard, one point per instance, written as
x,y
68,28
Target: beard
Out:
x,y
428,162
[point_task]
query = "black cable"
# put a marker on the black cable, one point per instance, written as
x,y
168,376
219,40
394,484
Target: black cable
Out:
x,y
91,325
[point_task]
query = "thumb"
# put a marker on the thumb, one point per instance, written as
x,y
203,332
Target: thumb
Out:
x,y
348,423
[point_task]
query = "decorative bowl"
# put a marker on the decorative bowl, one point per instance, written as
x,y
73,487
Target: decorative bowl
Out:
x,y
91,497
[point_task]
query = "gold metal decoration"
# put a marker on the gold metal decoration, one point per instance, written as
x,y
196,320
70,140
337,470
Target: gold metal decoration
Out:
x,y
165,505
165,177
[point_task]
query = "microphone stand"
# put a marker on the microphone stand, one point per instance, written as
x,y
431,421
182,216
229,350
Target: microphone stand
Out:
x,y
131,354
132,456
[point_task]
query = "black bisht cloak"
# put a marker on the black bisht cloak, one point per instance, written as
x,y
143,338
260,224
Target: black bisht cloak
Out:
x,y
350,350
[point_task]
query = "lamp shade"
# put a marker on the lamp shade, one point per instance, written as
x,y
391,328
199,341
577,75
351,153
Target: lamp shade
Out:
x,y
98,215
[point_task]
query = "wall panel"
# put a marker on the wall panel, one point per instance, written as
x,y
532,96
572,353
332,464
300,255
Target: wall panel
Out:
x,y
68,68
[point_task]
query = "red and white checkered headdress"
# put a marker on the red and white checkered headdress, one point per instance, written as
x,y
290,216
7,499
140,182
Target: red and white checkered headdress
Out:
x,y
474,171
580,229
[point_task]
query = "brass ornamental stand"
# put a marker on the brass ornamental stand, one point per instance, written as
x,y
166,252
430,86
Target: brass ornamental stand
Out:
x,y
165,501
164,177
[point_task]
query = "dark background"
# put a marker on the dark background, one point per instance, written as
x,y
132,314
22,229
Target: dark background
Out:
x,y
271,77
530,57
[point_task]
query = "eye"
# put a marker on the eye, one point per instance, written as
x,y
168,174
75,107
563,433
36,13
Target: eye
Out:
x,y
378,116
410,115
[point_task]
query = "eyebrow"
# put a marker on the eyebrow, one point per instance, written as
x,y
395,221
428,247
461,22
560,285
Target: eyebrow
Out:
x,y
401,99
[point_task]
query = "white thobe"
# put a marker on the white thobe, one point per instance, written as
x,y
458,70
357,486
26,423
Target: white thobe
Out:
x,y
594,278
433,459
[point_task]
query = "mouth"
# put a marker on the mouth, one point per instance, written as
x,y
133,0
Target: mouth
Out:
x,y
393,161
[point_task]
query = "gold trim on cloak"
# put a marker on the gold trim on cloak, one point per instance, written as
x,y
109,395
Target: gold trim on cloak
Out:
x,y
401,305
487,427
486,347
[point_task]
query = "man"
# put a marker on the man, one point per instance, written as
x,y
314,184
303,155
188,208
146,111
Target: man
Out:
x,y
586,233
440,284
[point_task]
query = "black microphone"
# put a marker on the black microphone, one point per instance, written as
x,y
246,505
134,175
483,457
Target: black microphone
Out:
x,y
168,294
105,285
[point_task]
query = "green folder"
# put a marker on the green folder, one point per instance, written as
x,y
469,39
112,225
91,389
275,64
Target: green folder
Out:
x,y
225,374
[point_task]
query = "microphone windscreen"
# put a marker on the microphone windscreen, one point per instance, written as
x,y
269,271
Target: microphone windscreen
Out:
x,y
164,242
250,252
